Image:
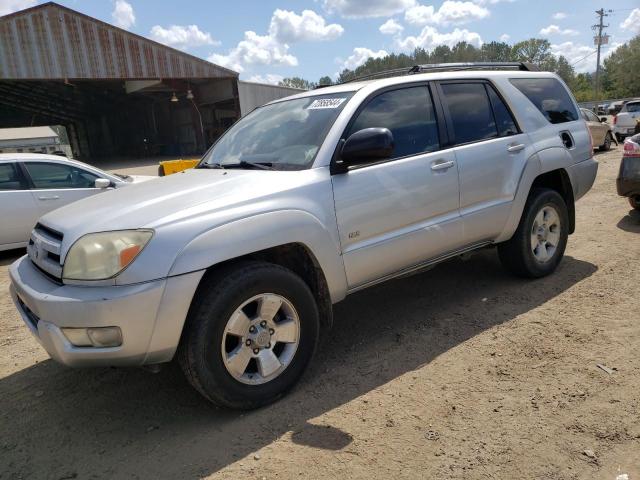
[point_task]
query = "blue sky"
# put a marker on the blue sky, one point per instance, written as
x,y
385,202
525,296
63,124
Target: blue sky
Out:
x,y
268,40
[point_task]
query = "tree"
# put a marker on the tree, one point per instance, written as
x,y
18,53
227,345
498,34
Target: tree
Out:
x,y
621,70
495,52
326,80
297,82
534,50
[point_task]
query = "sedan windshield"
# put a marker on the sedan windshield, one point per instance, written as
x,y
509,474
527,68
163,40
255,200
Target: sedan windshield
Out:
x,y
280,136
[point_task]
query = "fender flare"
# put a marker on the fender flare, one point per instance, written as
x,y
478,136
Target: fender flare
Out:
x,y
262,231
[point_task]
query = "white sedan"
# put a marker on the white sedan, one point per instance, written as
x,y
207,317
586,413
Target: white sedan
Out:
x,y
33,184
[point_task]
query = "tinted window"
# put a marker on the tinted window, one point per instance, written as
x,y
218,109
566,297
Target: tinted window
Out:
x,y
549,96
504,121
408,113
10,178
470,111
590,116
56,175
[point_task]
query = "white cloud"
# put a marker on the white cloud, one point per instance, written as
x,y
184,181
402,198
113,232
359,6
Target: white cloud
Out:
x,y
10,6
582,57
491,2
287,26
182,37
559,16
505,37
632,22
123,15
391,27
361,55
556,30
367,8
269,78
450,12
256,49
273,49
430,38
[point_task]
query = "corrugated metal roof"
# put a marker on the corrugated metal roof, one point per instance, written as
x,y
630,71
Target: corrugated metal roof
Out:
x,y
26,132
51,42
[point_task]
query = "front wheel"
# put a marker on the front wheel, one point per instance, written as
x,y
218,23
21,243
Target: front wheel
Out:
x,y
251,332
538,245
635,202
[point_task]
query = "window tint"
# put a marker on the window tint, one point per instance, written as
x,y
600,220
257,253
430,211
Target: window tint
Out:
x,y
10,178
56,175
470,111
590,116
504,120
409,115
549,96
632,107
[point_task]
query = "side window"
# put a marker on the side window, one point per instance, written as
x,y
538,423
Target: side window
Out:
x,y
470,111
592,117
549,96
409,115
10,177
504,121
56,175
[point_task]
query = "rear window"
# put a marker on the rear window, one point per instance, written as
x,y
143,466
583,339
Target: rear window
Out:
x,y
549,96
632,107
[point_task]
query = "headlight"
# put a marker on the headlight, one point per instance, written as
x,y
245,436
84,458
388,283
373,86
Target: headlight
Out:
x,y
99,256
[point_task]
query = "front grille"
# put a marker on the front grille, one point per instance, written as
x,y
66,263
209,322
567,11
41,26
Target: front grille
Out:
x,y
44,251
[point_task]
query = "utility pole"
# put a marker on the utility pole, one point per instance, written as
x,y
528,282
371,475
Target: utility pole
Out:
x,y
599,39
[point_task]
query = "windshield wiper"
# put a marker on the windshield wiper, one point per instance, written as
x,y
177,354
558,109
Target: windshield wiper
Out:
x,y
245,164
209,165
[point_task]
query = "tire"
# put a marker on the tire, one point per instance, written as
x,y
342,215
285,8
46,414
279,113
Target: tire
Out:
x,y
206,351
606,146
517,254
635,202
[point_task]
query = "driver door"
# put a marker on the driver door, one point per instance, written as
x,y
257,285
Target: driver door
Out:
x,y
56,184
395,214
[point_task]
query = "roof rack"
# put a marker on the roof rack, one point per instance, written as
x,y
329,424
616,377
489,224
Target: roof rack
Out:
x,y
447,67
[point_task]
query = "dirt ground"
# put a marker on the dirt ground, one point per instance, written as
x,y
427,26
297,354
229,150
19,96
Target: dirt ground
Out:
x,y
461,372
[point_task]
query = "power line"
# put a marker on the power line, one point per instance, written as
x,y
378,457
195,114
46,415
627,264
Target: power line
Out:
x,y
584,58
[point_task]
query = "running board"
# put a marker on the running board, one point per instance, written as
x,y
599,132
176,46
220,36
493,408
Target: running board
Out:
x,y
419,267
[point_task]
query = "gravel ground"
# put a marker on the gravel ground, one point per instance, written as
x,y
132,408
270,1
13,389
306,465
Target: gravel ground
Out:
x,y
461,372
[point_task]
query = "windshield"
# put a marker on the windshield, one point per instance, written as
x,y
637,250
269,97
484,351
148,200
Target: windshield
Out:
x,y
281,136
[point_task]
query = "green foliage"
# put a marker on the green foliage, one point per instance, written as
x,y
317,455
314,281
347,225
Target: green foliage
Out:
x,y
621,76
296,82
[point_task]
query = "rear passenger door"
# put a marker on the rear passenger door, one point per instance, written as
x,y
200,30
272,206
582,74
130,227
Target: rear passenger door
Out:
x,y
397,213
490,151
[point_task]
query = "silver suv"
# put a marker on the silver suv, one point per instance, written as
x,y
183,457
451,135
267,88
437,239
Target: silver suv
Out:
x,y
233,267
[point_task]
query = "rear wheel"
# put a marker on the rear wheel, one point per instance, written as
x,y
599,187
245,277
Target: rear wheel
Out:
x,y
537,246
635,202
606,146
251,332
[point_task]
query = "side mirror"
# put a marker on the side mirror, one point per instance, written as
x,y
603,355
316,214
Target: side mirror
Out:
x,y
366,146
102,183
603,119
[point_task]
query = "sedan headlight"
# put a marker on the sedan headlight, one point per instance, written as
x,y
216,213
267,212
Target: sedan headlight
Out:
x,y
99,256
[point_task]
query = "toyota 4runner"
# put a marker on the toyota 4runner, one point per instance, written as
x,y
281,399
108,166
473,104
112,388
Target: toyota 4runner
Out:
x,y
233,267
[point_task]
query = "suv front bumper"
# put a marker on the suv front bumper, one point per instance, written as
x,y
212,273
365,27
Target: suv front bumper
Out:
x,y
150,315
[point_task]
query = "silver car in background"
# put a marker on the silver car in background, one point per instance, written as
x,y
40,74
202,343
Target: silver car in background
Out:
x,y
33,184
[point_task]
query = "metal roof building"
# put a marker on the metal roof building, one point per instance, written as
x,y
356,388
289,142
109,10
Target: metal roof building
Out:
x,y
117,93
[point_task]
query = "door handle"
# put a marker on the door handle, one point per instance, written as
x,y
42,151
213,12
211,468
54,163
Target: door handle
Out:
x,y
441,165
55,197
515,147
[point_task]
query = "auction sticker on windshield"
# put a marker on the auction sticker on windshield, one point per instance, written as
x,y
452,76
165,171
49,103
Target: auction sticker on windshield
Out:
x,y
326,103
